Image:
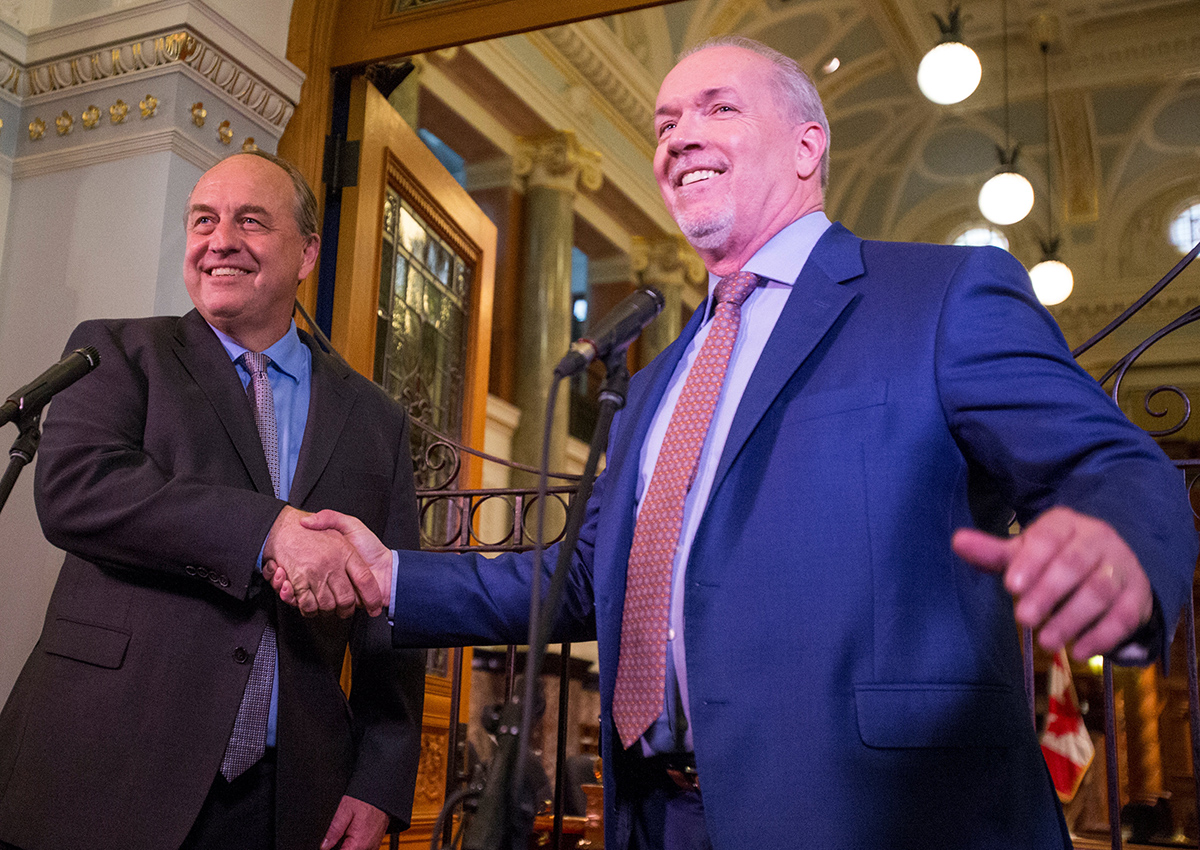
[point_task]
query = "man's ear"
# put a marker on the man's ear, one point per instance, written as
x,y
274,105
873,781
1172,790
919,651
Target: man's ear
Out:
x,y
309,262
810,147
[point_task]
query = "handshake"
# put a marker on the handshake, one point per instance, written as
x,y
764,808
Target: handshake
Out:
x,y
327,563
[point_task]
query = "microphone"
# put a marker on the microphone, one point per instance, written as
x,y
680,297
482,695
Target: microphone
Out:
x,y
614,333
36,394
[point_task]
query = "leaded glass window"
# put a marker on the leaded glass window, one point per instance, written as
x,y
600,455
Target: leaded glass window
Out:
x,y
421,335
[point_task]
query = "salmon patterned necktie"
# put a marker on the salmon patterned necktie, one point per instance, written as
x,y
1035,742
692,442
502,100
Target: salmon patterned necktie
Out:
x,y
642,663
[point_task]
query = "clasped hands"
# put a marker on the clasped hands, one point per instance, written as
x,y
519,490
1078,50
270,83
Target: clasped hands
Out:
x,y
1073,578
320,568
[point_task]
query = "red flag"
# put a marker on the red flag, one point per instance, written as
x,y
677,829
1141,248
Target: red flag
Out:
x,y
1066,744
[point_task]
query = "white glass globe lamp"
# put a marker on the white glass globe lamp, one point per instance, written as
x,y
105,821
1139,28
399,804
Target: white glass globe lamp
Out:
x,y
1052,281
949,73
1006,198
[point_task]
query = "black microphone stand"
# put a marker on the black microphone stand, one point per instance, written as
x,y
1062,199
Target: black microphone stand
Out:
x,y
504,817
23,449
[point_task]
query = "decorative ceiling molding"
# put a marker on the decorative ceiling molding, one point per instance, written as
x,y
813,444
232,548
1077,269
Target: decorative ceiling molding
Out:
x,y
144,55
594,52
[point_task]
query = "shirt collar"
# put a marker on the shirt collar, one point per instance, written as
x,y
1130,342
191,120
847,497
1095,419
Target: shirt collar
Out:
x,y
786,252
287,353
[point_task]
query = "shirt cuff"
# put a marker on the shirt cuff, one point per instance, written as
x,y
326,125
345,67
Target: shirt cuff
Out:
x,y
1141,647
392,598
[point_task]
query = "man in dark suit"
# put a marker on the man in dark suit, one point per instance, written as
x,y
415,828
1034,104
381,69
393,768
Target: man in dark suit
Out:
x,y
155,479
842,668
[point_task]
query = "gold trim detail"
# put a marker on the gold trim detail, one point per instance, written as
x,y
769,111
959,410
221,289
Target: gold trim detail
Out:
x,y
91,117
143,55
431,775
118,111
149,106
37,129
199,113
224,132
249,146
65,123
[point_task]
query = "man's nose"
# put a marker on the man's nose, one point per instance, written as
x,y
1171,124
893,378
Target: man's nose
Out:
x,y
223,238
685,135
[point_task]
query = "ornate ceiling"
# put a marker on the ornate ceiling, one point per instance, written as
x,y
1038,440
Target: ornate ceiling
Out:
x,y
1124,80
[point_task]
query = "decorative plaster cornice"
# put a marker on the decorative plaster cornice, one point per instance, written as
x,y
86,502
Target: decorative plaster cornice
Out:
x,y
608,66
148,55
120,25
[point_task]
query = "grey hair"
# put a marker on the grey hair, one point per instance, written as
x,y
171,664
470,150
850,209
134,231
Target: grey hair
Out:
x,y
794,89
305,202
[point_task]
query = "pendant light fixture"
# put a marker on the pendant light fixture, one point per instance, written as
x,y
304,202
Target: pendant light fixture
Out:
x,y
1007,197
1052,278
950,71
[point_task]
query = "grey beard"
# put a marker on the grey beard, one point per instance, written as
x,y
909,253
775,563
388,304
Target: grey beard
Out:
x,y
708,232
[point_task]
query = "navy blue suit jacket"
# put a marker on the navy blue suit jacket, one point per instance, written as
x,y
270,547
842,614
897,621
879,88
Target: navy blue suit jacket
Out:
x,y
852,682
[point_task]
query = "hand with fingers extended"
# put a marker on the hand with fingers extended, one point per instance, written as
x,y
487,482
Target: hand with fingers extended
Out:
x,y
368,551
324,572
1073,577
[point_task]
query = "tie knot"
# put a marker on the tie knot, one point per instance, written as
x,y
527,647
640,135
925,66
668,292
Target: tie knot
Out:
x,y
255,362
735,288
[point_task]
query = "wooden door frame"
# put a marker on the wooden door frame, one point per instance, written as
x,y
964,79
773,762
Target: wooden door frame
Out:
x,y
327,34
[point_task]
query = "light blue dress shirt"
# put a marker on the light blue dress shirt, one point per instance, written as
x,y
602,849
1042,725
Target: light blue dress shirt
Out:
x,y
779,263
290,374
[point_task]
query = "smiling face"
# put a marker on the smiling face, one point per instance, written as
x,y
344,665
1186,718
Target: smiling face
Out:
x,y
733,167
245,253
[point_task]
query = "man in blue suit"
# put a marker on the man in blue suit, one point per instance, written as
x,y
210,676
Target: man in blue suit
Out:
x,y
842,665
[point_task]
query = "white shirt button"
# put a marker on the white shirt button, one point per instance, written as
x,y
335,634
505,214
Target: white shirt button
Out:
x,y
670,634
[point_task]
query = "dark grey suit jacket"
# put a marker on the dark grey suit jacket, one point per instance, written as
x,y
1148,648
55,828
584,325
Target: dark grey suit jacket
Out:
x,y
152,477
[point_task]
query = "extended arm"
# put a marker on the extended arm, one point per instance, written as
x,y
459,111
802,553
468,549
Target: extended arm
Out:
x,y
1106,522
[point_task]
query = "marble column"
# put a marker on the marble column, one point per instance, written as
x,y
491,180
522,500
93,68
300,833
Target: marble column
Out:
x,y
553,166
671,266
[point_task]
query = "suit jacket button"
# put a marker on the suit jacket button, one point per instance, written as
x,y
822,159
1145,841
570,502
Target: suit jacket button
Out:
x,y
240,655
190,570
224,581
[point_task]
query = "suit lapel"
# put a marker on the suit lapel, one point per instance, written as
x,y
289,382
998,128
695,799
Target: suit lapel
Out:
x,y
818,298
208,363
329,408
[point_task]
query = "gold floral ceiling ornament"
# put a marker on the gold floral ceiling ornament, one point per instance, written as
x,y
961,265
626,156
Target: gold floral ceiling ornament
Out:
x,y
91,117
249,146
118,111
37,129
224,133
149,106
199,113
65,123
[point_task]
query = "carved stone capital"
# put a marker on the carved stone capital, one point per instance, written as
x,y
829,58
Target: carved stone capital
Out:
x,y
557,161
667,261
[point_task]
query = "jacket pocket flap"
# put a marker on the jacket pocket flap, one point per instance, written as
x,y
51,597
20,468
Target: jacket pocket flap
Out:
x,y
86,642
940,715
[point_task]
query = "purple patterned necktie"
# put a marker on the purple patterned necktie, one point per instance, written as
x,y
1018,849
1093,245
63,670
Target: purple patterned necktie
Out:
x,y
642,663
248,741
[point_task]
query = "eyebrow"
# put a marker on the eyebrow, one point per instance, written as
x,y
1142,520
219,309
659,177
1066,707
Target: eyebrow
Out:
x,y
704,96
253,209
